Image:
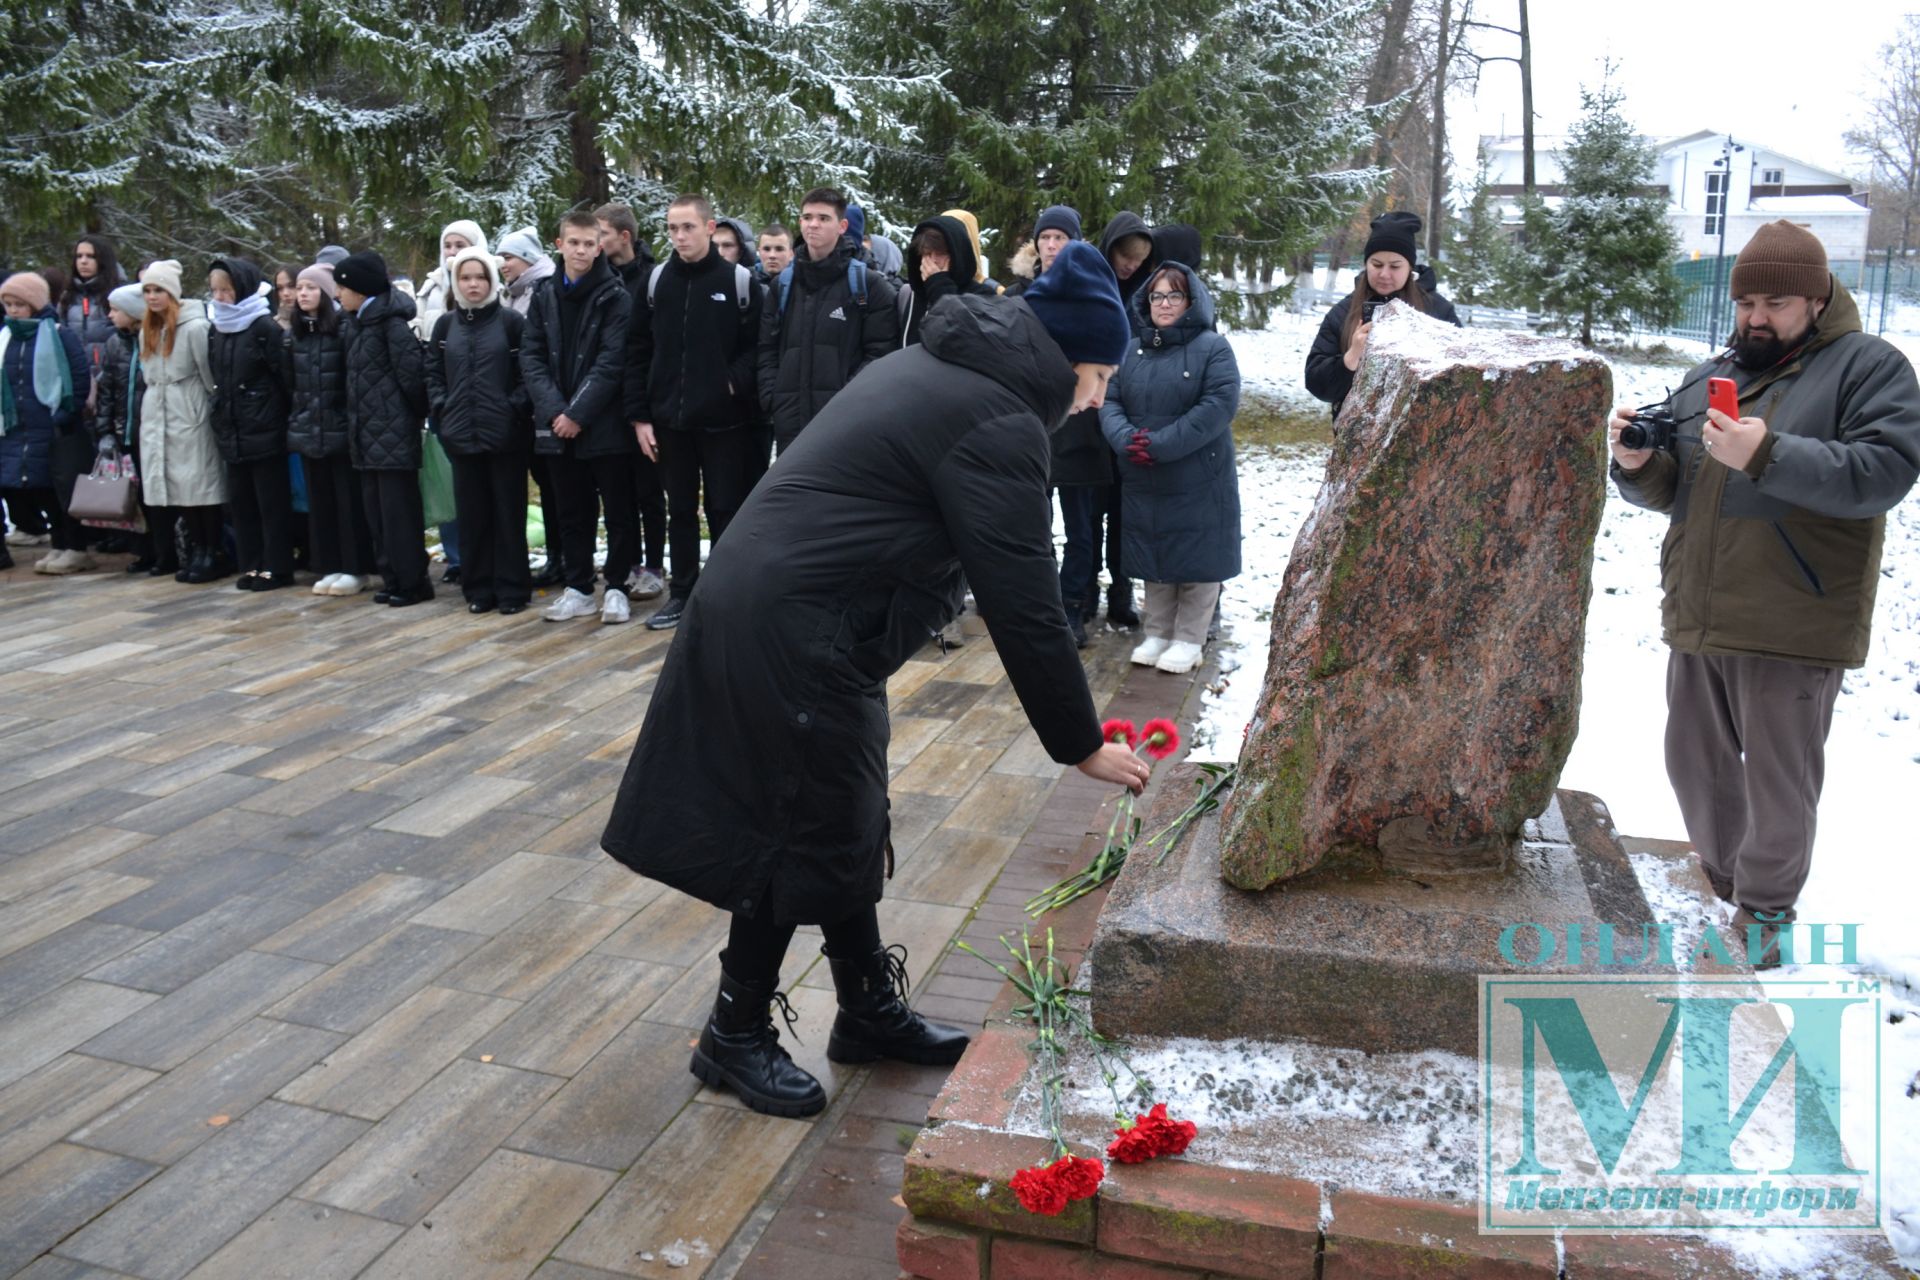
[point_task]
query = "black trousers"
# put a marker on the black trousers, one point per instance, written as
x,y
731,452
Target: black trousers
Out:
x,y
67,533
397,519
755,946
760,453
490,494
340,540
689,461
651,499
260,495
582,487
1107,503
549,517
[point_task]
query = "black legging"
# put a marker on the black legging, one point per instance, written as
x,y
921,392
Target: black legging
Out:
x,y
755,947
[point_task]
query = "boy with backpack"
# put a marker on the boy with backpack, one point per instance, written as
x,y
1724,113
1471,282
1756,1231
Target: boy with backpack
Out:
x,y
690,377
826,316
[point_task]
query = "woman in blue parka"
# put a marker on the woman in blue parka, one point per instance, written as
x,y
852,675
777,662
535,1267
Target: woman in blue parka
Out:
x,y
45,378
1169,416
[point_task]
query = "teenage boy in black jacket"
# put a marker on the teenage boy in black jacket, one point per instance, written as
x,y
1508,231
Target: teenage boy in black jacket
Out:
x,y
816,332
572,355
690,376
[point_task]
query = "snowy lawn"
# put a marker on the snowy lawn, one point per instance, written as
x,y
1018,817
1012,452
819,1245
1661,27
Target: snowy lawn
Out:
x,y
1865,869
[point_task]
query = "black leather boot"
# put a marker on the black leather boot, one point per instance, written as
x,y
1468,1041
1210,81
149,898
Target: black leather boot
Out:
x,y
740,1050
1120,611
1076,625
874,1021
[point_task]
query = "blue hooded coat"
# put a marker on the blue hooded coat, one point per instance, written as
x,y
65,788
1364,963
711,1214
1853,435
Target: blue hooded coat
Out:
x,y
1181,516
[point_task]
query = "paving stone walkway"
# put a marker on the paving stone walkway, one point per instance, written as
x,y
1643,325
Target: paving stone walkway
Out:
x,y
310,964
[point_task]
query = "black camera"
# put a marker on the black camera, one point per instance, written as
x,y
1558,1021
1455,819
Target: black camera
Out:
x,y
1652,428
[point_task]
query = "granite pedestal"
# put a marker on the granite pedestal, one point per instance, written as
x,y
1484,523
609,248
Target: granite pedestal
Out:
x,y
1360,956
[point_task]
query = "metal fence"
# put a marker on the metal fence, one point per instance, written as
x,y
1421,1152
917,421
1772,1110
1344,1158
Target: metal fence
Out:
x,y
1706,308
1880,287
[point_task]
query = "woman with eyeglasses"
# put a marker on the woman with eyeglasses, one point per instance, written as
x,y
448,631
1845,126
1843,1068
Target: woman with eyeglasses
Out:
x,y
1169,417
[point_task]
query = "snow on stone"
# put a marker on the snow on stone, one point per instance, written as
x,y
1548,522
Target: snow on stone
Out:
x,y
1430,347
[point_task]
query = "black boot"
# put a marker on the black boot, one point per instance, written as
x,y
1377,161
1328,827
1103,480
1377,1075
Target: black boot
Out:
x,y
740,1050
1120,606
1076,624
874,1020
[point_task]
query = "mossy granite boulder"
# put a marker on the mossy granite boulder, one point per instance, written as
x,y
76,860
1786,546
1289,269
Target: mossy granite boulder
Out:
x,y
1423,689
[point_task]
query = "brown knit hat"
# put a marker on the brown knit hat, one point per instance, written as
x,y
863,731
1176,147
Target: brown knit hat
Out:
x,y
1782,259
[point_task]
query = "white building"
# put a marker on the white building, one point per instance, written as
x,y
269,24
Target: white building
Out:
x,y
1709,179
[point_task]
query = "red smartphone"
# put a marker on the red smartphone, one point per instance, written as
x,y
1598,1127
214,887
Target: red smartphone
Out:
x,y
1724,396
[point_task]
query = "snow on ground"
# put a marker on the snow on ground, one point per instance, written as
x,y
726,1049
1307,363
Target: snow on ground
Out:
x,y
1865,870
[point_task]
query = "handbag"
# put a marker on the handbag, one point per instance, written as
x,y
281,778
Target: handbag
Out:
x,y
108,497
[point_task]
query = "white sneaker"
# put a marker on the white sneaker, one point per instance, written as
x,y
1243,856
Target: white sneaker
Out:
x,y
324,587
1148,651
21,538
645,584
568,605
613,606
347,584
56,562
1179,658
81,562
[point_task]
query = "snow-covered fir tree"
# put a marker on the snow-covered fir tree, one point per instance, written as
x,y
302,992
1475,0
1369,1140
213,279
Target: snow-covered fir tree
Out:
x,y
1480,254
1603,257
1233,115
512,112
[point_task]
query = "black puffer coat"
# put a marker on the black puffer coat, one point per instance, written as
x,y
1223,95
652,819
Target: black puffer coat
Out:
x,y
579,373
116,404
386,385
84,310
822,340
252,380
1328,377
317,425
475,393
760,776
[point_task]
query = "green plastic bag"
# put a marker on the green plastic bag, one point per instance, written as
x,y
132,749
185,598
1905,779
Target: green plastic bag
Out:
x,y
436,481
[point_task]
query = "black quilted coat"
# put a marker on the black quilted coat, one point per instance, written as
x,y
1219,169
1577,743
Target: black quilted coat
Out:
x,y
386,385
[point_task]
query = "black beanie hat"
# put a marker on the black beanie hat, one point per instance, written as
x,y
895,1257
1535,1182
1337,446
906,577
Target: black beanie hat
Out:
x,y
1395,232
363,272
1078,300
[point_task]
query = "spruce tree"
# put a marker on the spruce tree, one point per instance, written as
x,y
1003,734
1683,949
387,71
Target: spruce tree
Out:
x,y
512,112
1603,257
1480,256
1232,115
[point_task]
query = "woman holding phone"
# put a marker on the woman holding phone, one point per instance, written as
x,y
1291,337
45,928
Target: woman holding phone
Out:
x,y
1391,270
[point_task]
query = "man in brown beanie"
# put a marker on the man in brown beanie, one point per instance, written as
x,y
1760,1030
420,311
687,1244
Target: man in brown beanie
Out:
x,y
1769,566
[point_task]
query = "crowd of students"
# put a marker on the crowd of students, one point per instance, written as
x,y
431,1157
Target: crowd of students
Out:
x,y
636,395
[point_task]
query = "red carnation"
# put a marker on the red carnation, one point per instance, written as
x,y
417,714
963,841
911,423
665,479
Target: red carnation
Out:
x,y
1040,1191
1151,1135
1079,1175
1160,738
1118,731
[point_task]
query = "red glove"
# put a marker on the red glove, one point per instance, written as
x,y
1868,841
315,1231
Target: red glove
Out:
x,y
1138,450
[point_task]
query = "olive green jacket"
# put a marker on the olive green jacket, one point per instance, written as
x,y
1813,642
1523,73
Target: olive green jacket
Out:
x,y
1781,559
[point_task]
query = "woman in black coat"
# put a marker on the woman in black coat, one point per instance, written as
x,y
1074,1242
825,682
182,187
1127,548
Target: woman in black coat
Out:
x,y
759,782
1392,271
484,416
386,412
248,353
339,544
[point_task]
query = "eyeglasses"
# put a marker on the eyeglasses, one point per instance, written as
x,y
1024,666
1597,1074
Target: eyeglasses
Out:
x,y
1157,298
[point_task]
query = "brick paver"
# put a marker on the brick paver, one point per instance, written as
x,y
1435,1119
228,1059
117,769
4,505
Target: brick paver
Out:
x,y
309,958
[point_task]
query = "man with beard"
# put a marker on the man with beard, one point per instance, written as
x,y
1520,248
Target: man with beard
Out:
x,y
1770,563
